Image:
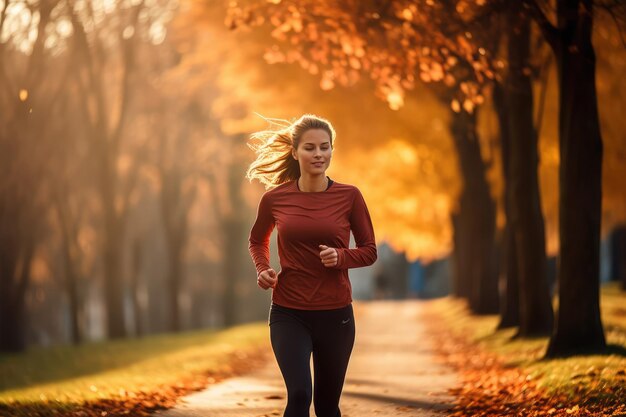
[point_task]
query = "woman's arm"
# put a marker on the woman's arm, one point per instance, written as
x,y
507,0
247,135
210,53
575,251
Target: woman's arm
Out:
x,y
259,240
361,225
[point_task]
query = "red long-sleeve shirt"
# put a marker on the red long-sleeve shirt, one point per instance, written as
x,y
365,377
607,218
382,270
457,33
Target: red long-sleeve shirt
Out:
x,y
304,221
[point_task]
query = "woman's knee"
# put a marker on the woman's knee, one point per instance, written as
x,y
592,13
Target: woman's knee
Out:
x,y
299,397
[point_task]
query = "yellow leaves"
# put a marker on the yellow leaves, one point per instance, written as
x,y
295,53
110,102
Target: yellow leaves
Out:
x,y
436,71
455,105
395,100
346,46
23,94
431,71
354,63
411,190
449,80
273,55
297,25
279,33
468,105
407,14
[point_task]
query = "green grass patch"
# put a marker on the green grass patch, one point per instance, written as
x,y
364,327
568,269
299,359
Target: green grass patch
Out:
x,y
603,376
112,369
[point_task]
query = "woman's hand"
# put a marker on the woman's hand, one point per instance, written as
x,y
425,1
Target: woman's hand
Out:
x,y
267,279
328,255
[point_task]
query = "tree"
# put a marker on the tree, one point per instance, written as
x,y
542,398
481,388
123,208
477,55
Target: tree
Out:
x,y
578,326
24,94
525,220
177,193
105,132
509,298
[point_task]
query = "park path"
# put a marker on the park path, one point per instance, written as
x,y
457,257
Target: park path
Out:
x,y
392,372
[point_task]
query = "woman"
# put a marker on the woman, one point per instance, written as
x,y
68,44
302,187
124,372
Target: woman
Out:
x,y
311,311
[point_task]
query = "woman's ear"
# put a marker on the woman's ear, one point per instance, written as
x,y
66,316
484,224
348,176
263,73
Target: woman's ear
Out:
x,y
294,154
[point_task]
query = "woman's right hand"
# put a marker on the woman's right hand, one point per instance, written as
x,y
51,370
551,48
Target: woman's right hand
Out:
x,y
267,279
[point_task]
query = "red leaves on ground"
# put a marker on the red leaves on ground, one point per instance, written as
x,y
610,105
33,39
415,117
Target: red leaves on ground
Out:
x,y
492,389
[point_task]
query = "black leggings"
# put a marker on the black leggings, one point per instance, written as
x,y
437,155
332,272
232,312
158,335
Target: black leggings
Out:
x,y
329,336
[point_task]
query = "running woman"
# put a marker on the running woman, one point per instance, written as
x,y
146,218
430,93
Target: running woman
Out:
x,y
311,310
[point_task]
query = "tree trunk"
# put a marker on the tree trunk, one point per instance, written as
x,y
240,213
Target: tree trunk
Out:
x,y
24,165
476,218
137,258
113,242
233,232
509,287
14,280
578,326
69,250
526,219
460,286
174,278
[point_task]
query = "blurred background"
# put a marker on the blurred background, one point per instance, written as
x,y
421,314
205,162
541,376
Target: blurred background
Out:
x,y
124,207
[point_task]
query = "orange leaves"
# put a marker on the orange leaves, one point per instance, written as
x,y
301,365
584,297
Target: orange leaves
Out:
x,y
488,388
470,97
327,82
427,41
431,71
407,14
395,98
273,55
354,63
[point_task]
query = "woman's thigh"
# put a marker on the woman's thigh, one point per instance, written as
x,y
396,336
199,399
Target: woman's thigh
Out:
x,y
292,345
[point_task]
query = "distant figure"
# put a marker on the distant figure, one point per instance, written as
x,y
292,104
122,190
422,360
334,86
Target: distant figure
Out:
x,y
311,310
382,284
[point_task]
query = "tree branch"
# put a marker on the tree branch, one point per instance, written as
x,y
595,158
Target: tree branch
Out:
x,y
128,55
549,31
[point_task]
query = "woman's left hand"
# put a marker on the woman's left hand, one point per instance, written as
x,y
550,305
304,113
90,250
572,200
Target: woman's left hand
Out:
x,y
328,255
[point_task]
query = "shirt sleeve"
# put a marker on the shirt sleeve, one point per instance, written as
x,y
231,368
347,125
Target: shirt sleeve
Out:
x,y
361,225
259,240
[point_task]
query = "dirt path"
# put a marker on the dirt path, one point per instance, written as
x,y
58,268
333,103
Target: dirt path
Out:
x,y
392,372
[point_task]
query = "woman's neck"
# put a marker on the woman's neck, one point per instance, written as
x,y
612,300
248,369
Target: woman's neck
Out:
x,y
311,184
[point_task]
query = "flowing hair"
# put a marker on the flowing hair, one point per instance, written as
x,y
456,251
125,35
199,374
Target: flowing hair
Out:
x,y
274,164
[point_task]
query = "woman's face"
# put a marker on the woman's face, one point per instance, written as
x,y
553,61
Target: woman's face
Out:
x,y
314,152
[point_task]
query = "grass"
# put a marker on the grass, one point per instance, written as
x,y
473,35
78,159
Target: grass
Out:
x,y
603,376
115,369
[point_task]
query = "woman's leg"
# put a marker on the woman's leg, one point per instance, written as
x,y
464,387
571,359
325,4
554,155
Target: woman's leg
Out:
x,y
292,345
332,345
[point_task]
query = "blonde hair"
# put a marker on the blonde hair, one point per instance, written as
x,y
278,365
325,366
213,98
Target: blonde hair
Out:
x,y
274,164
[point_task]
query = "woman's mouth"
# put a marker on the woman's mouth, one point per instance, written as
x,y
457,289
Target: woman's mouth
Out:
x,y
318,164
